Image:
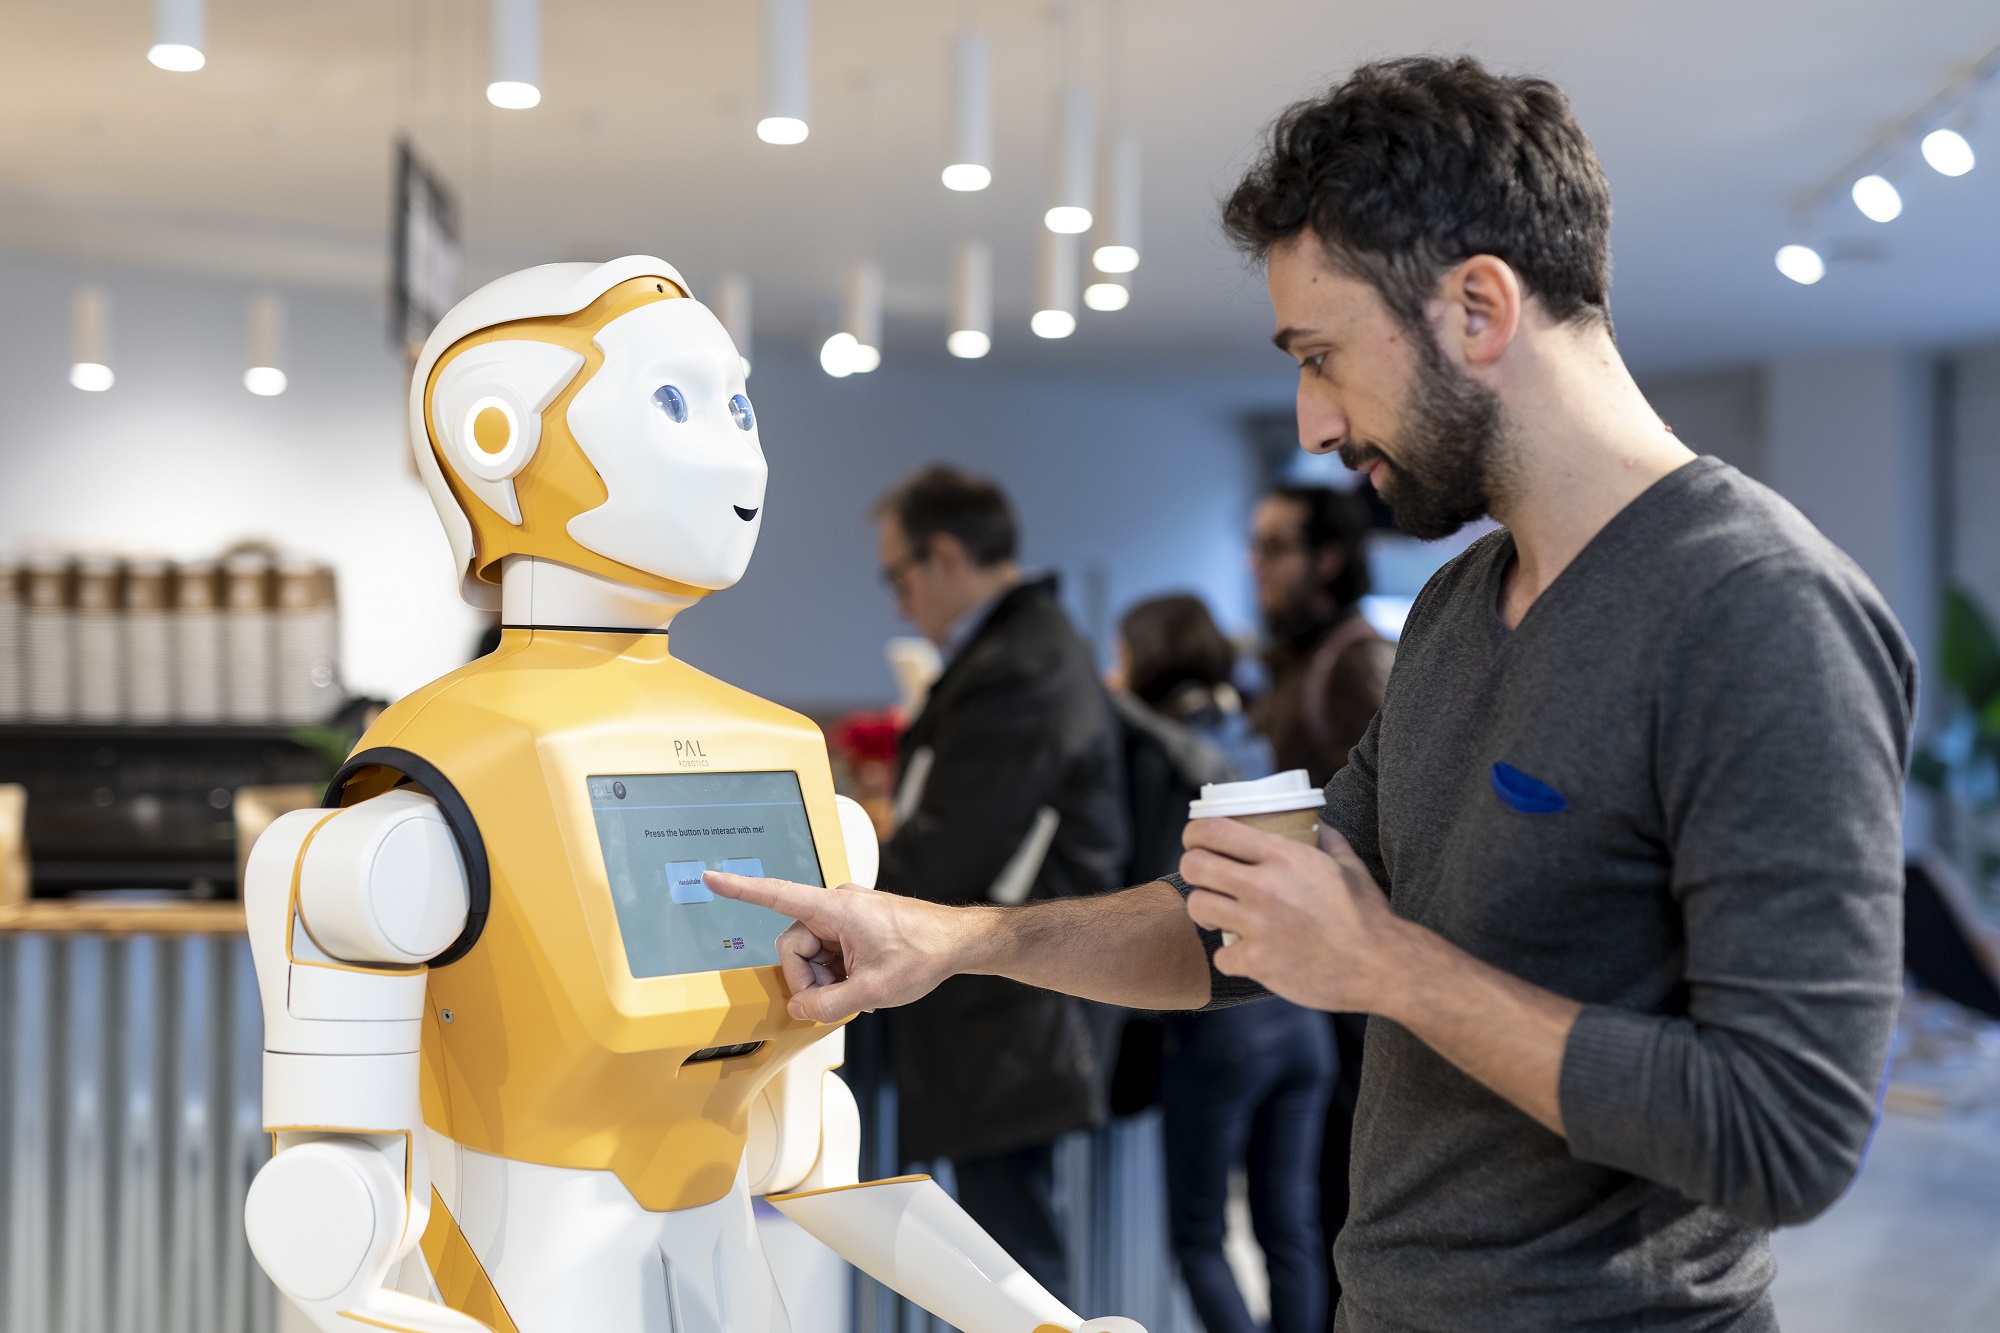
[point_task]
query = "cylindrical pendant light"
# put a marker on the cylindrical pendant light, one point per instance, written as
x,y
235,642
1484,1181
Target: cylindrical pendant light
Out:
x,y
971,333
1117,240
1076,133
90,319
517,55
264,377
864,314
178,35
1055,287
972,147
786,53
732,307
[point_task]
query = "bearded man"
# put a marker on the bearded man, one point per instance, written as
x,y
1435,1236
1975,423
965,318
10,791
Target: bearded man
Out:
x,y
1617,869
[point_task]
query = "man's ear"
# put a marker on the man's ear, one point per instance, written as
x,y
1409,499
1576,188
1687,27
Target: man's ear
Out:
x,y
944,552
1481,302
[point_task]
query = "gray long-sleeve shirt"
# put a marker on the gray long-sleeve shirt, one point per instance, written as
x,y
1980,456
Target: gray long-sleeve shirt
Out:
x,y
1672,793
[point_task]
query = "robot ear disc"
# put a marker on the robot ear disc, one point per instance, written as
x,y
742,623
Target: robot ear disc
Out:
x,y
497,442
486,413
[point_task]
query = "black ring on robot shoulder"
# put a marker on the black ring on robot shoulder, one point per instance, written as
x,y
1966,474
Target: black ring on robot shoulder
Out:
x,y
457,815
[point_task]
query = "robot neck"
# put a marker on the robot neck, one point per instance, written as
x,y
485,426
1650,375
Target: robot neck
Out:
x,y
543,593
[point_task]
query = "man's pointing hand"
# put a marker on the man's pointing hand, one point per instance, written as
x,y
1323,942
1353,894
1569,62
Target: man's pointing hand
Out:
x,y
850,949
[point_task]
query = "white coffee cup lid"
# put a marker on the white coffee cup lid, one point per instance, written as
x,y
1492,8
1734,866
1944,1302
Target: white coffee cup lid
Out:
x,y
1290,790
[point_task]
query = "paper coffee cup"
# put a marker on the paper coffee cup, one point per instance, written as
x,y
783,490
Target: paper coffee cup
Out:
x,y
1286,804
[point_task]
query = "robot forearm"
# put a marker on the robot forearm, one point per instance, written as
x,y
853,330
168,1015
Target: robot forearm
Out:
x,y
912,1237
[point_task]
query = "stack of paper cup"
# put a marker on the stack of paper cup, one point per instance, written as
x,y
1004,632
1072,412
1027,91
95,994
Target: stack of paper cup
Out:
x,y
308,642
13,690
249,647
100,640
1285,803
48,645
197,676
149,641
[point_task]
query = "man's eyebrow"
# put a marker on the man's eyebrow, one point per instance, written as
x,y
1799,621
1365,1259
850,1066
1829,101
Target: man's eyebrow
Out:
x,y
1285,337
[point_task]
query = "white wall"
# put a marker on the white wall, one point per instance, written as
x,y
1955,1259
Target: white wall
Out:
x,y
1135,485
1973,489
1718,412
1127,486
1851,442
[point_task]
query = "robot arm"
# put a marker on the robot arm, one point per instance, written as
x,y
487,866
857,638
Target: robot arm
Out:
x,y
344,909
912,1237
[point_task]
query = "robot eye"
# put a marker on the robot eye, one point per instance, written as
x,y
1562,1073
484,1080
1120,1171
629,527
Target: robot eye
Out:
x,y
739,407
672,401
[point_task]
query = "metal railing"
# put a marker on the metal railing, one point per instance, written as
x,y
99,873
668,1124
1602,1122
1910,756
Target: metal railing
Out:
x,y
129,1131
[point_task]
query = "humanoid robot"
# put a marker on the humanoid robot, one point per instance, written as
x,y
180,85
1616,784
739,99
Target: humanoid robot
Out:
x,y
522,1071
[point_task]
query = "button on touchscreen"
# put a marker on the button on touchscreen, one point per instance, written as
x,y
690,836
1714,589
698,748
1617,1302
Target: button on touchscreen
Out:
x,y
659,831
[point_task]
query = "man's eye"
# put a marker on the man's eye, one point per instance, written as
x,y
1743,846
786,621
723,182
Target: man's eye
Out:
x,y
671,401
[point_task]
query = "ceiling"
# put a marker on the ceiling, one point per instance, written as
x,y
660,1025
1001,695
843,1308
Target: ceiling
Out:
x,y
273,163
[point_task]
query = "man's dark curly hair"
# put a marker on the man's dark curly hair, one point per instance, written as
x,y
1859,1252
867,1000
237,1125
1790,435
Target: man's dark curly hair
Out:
x,y
1413,166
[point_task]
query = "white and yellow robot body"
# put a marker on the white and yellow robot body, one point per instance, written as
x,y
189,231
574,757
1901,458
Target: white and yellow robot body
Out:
x,y
588,440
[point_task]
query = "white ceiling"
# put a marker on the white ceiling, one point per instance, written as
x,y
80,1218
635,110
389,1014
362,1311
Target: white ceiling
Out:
x,y
273,163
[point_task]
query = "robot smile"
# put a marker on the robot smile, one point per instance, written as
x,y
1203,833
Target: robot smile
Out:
x,y
745,514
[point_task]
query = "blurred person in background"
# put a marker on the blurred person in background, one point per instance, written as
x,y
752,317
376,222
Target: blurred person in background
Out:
x,y
1011,791
1327,669
1326,666
1240,1087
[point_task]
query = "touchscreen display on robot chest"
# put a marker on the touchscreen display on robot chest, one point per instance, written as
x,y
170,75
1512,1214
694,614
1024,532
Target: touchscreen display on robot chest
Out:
x,y
659,831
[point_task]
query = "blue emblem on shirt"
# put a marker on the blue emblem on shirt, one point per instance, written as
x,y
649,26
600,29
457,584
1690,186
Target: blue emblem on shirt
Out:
x,y
1529,795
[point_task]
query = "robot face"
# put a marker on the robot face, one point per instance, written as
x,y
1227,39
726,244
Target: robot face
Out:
x,y
668,425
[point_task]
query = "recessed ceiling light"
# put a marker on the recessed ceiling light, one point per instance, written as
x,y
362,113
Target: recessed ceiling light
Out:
x,y
1107,295
1801,263
177,57
782,130
1948,152
969,344
1877,199
967,177
92,376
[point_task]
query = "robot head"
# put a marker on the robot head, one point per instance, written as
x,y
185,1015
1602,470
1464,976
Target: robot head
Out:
x,y
594,415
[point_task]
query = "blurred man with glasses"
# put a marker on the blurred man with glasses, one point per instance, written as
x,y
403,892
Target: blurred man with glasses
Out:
x,y
1011,792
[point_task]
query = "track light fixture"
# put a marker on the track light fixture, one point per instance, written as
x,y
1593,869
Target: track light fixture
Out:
x,y
786,57
971,166
90,318
971,335
1055,286
264,377
517,55
178,35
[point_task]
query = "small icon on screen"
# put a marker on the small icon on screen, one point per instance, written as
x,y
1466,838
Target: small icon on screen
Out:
x,y
618,790
684,882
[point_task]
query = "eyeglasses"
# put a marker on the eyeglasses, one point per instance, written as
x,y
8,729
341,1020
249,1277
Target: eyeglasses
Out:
x,y
1274,548
896,571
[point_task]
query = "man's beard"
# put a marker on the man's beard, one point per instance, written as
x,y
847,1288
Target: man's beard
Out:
x,y
1449,446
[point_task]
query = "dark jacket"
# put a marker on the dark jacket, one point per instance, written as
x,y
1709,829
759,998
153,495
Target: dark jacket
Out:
x,y
1017,724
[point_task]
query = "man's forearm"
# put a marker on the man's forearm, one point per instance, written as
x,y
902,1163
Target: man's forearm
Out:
x,y
1505,1032
1135,948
